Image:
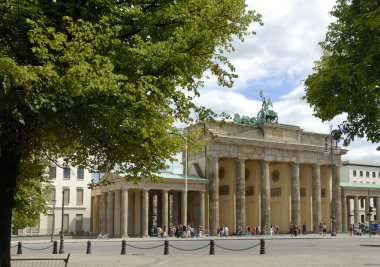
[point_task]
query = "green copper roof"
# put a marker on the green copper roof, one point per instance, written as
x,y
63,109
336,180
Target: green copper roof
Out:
x,y
359,185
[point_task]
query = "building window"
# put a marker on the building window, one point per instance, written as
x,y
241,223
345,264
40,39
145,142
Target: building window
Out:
x,y
366,174
52,195
79,196
362,218
355,182
65,223
275,192
35,229
66,173
50,221
80,173
78,223
373,174
323,192
53,172
66,196
224,190
303,192
354,173
249,191
362,203
361,173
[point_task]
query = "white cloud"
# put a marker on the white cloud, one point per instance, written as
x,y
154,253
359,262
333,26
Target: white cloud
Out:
x,y
281,54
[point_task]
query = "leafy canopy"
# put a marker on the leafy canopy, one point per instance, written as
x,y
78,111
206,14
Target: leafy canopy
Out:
x,y
101,82
346,78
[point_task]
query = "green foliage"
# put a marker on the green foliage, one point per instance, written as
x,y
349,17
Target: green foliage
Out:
x,y
346,78
32,192
103,81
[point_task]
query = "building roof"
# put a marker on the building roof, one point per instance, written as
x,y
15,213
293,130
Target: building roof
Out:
x,y
358,185
360,163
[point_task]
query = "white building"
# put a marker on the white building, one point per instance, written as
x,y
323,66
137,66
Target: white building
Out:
x,y
70,183
360,182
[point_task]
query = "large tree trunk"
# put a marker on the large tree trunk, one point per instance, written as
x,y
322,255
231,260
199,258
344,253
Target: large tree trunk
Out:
x,y
10,167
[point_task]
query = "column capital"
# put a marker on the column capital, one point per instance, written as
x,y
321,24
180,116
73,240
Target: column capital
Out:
x,y
241,159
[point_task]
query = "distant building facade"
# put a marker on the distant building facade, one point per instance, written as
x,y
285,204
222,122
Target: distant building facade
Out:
x,y
360,183
70,182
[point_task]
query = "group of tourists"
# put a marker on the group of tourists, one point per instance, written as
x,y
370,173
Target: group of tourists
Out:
x,y
322,229
249,231
296,229
179,231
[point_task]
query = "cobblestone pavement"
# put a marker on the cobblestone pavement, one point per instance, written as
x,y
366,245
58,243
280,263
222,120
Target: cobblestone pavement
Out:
x,y
310,250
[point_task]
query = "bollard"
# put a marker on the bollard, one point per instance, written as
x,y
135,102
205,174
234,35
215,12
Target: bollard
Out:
x,y
212,247
166,247
123,247
262,247
55,247
19,247
88,247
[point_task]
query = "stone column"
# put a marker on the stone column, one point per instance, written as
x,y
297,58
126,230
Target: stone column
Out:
x,y
165,210
202,209
144,211
240,192
184,207
344,214
295,194
110,207
124,213
349,215
265,195
103,213
377,199
356,209
117,219
95,219
337,204
213,178
316,195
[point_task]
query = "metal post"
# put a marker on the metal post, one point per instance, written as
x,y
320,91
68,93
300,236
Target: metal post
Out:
x,y
212,247
123,247
166,247
52,230
61,245
333,199
88,251
369,214
262,247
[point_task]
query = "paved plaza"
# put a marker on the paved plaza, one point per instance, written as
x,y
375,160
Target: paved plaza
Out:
x,y
309,250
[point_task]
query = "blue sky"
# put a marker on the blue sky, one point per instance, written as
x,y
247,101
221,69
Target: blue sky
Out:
x,y
278,59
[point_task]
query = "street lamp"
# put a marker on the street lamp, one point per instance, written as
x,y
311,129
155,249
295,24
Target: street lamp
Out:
x,y
331,154
52,230
61,245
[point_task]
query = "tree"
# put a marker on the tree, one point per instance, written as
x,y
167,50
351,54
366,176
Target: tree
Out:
x,y
346,78
33,191
100,82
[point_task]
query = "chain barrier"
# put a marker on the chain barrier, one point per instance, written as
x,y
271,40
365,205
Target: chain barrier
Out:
x,y
145,248
38,248
15,246
192,249
241,249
